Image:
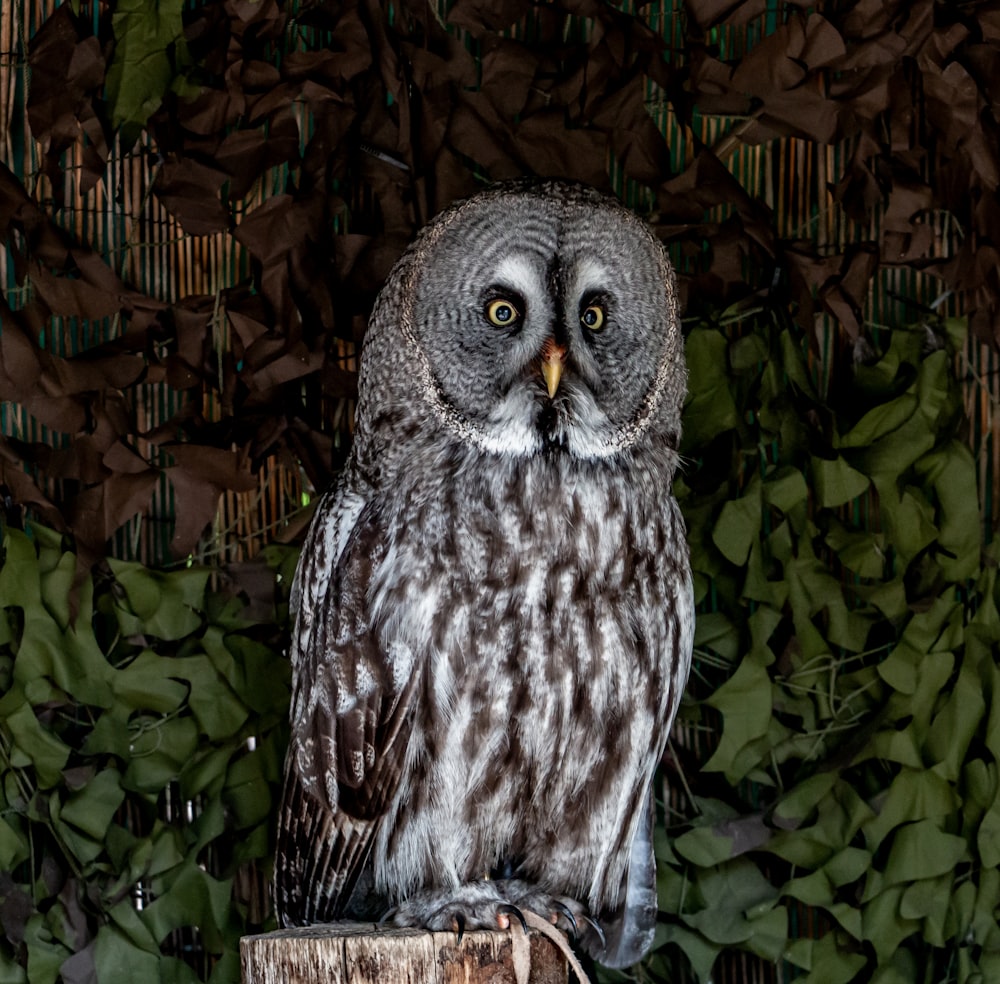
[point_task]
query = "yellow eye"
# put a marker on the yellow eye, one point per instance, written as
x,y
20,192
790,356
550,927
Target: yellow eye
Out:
x,y
593,317
501,313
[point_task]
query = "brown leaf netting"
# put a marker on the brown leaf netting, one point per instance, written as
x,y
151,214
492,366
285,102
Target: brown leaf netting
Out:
x,y
180,314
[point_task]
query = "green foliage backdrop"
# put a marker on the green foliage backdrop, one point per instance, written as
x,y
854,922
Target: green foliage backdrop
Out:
x,y
194,231
847,823
140,751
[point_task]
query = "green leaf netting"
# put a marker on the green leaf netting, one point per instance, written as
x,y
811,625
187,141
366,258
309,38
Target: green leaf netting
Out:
x,y
837,746
140,755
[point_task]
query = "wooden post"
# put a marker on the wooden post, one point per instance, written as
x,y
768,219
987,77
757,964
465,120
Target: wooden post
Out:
x,y
365,953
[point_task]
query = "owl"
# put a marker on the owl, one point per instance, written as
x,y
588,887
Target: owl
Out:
x,y
494,610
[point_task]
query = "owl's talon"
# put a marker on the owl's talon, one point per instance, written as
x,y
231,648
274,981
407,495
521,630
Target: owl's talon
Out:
x,y
506,909
459,923
596,926
565,911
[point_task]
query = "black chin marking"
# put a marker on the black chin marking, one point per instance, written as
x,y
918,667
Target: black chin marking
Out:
x,y
550,428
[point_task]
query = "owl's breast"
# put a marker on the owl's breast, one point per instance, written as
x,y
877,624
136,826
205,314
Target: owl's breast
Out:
x,y
537,594
541,610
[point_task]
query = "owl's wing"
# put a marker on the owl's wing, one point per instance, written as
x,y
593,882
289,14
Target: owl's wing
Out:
x,y
349,717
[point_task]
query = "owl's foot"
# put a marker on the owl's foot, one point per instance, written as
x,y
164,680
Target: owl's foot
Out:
x,y
491,905
475,905
562,911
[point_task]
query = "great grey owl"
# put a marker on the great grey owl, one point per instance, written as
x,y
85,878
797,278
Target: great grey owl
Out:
x,y
494,605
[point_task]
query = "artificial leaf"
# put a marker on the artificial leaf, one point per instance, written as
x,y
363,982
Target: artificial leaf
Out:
x,y
922,850
190,897
710,409
147,40
836,482
32,744
745,704
92,808
738,525
117,957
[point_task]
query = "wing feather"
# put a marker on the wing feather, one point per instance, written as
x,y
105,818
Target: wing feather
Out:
x,y
350,721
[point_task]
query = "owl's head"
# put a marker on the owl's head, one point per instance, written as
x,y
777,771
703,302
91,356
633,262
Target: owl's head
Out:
x,y
535,318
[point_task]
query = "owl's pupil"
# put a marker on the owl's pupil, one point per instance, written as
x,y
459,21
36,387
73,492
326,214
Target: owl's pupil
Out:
x,y
503,313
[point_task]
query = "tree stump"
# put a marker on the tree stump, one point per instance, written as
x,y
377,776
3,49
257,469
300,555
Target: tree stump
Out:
x,y
365,953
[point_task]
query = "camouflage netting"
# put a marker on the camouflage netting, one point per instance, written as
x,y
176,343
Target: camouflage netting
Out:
x,y
198,208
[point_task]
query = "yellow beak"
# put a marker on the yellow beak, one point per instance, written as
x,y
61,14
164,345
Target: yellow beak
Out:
x,y
552,366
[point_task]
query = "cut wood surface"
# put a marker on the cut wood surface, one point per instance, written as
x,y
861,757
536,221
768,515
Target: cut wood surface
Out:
x,y
365,953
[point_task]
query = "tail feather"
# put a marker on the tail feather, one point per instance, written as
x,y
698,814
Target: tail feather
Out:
x,y
629,928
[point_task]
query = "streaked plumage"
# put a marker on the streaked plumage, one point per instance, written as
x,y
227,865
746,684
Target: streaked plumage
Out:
x,y
494,613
